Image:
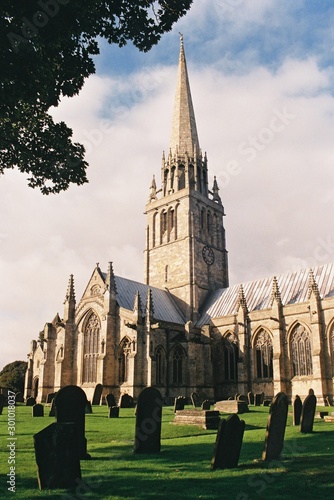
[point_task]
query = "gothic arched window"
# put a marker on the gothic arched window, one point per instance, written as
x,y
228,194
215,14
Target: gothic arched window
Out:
x,y
263,348
123,360
91,348
159,366
177,365
182,177
301,351
331,339
230,349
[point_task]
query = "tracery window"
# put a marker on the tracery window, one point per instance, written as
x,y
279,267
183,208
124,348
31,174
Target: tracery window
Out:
x,y
177,365
301,351
123,360
263,347
91,348
160,366
230,350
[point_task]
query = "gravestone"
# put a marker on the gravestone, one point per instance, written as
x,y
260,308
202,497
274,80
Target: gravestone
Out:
x,y
126,401
30,401
57,456
148,421
274,441
236,395
52,412
327,402
207,419
19,397
228,443
70,404
179,403
38,410
266,402
2,402
110,400
50,397
242,398
195,399
206,405
231,406
113,412
251,399
88,408
97,394
259,398
307,415
297,410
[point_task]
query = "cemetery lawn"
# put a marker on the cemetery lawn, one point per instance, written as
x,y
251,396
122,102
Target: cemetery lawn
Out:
x,y
182,470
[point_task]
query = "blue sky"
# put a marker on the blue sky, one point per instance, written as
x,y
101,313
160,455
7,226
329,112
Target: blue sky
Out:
x,y
261,75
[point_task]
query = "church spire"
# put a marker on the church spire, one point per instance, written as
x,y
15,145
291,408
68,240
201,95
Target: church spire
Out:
x,y
69,303
184,137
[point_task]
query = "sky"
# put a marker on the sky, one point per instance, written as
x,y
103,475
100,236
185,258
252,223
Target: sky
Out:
x,y
261,76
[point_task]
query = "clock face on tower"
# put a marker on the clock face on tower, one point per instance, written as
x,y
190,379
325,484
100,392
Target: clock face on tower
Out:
x,y
208,255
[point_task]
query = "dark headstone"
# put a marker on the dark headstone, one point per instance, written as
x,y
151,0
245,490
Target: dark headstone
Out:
x,y
242,398
97,394
38,410
307,416
110,399
228,443
148,421
179,403
236,395
276,424
266,402
259,398
251,399
311,392
52,412
206,405
57,456
2,402
50,397
127,401
30,401
19,397
297,410
195,399
113,412
70,404
88,408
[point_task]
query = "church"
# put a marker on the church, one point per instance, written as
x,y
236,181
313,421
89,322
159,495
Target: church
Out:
x,y
185,329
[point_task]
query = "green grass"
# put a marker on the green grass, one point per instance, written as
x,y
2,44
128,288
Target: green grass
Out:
x,y
182,469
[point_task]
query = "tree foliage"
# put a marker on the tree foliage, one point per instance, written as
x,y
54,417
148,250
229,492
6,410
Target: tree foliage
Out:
x,y
12,376
47,50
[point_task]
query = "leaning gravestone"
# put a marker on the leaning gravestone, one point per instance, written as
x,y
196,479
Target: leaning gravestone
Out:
x,y
30,402
113,412
126,401
179,403
57,456
228,443
297,410
70,404
97,394
88,408
2,402
307,415
278,414
251,400
110,399
38,410
206,405
52,412
50,397
195,399
148,421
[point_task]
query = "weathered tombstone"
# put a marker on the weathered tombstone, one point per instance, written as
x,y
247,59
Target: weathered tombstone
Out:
x,y
113,412
259,398
242,398
2,402
297,410
88,408
19,397
126,401
278,415
179,403
206,405
266,402
52,412
110,399
38,410
307,415
228,443
327,402
148,421
251,399
97,394
236,395
30,401
50,397
57,456
70,404
195,399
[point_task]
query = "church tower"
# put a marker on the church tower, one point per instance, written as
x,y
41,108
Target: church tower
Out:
x,y
185,240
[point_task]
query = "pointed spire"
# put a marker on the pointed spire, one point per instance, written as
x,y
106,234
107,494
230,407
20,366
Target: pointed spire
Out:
x,y
215,191
70,293
149,306
313,286
110,283
242,299
184,132
138,308
275,294
153,190
69,303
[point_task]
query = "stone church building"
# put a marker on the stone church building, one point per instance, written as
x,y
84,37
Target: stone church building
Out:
x,y
185,329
